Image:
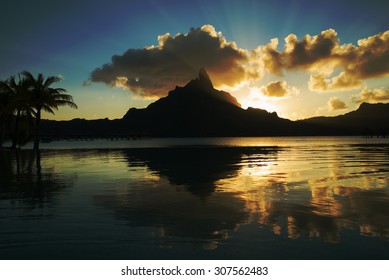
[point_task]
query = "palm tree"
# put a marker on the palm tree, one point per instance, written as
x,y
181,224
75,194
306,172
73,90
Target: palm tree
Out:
x,y
43,97
4,109
15,98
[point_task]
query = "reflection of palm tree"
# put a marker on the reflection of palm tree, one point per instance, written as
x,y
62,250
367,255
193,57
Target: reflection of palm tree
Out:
x,y
23,180
43,97
38,165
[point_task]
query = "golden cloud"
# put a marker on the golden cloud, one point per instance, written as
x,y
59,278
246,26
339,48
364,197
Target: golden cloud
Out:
x,y
336,104
154,70
322,82
372,96
372,57
272,59
278,89
322,54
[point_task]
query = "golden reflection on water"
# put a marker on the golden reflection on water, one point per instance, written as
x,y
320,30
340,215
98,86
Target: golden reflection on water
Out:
x,y
205,195
339,186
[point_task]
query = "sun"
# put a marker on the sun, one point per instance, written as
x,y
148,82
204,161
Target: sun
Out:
x,y
255,99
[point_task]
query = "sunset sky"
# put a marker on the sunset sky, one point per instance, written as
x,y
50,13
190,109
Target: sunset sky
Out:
x,y
299,58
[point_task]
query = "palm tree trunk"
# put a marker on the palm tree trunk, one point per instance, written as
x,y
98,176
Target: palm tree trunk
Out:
x,y
16,131
37,129
2,131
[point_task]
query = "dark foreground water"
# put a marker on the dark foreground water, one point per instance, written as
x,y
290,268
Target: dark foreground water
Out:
x,y
231,198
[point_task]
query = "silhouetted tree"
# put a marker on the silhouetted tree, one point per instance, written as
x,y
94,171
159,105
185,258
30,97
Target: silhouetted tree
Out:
x,y
44,97
4,109
16,99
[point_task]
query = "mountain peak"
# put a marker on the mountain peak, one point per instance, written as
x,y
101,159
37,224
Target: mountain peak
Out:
x,y
204,80
203,75
198,93
203,84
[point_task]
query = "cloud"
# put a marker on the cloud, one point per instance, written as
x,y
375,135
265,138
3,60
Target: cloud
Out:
x,y
322,82
336,104
278,89
322,54
311,50
372,96
154,70
311,53
272,59
60,76
371,57
86,83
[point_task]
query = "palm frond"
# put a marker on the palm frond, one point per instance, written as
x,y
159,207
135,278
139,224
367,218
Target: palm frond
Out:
x,y
49,109
71,104
28,75
51,80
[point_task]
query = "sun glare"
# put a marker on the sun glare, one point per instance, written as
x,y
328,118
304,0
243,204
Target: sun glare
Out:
x,y
256,100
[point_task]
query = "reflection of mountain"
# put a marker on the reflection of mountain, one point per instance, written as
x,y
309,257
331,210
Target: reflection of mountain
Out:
x,y
203,212
177,213
205,192
190,198
23,179
196,168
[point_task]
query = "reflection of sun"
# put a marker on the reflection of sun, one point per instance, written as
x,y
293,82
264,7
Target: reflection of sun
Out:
x,y
256,100
251,185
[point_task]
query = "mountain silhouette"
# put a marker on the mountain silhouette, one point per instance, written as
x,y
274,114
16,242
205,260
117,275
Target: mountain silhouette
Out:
x,y
368,119
199,110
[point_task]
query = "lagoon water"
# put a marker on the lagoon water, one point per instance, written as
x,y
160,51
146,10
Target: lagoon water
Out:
x,y
211,198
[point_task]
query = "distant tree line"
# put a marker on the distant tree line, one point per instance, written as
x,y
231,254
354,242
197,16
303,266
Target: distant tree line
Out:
x,y
22,99
381,132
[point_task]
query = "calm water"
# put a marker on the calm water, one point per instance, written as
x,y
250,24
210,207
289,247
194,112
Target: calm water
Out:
x,y
226,198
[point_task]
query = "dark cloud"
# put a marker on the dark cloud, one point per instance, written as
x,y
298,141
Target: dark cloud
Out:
x,y
310,50
155,70
371,57
306,54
